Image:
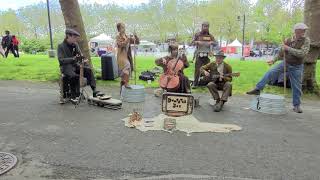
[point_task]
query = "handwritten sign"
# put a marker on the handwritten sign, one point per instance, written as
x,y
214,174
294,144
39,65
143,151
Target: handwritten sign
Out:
x,y
177,103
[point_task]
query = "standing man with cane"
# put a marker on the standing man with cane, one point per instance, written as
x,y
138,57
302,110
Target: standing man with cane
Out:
x,y
293,51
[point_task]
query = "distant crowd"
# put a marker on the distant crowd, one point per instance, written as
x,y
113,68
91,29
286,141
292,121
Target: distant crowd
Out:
x,y
9,43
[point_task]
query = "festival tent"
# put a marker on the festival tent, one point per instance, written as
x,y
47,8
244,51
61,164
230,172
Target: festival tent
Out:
x,y
101,44
236,48
102,38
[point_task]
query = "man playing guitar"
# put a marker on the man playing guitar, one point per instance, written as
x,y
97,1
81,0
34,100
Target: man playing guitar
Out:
x,y
220,74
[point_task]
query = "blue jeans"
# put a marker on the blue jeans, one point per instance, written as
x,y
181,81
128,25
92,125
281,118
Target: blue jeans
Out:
x,y
295,75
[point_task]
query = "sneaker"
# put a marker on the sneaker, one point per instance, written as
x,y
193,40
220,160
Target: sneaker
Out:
x,y
254,92
297,109
74,100
62,101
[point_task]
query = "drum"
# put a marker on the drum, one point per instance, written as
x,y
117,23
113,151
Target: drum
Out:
x,y
269,104
135,94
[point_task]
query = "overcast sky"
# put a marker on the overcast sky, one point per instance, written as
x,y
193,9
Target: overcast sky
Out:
x,y
16,4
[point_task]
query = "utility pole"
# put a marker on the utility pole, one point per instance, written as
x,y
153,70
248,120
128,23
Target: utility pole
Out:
x,y
243,30
51,52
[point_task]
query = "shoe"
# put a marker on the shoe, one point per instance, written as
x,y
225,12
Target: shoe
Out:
x,y
194,87
216,107
62,101
254,92
219,106
74,100
297,109
97,93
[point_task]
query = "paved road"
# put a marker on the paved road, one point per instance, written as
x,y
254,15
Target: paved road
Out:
x,y
61,142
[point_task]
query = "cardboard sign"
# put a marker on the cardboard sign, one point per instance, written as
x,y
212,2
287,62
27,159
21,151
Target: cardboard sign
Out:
x,y
177,104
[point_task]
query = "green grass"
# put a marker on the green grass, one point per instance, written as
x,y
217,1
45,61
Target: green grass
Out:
x,y
41,68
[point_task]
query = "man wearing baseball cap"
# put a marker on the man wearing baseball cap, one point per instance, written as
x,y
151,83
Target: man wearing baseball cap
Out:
x,y
68,53
293,51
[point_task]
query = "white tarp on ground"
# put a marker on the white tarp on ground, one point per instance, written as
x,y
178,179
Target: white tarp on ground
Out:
x,y
188,124
235,43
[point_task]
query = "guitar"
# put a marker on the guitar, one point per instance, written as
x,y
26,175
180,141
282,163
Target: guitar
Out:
x,y
217,76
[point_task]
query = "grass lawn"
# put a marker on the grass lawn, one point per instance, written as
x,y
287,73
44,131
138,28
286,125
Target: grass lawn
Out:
x,y
41,68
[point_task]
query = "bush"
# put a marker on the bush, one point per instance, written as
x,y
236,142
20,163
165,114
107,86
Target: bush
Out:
x,y
34,45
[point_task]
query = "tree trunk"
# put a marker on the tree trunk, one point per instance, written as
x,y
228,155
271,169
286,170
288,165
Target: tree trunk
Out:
x,y
311,18
73,19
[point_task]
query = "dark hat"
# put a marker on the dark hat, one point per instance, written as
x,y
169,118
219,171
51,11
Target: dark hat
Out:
x,y
7,32
72,32
220,53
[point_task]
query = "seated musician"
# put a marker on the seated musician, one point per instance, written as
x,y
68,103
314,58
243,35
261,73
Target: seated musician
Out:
x,y
216,71
184,85
68,55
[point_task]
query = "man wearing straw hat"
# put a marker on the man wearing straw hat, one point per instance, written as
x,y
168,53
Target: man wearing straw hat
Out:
x,y
293,52
223,82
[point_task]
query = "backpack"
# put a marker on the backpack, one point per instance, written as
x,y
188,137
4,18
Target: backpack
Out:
x,y
147,75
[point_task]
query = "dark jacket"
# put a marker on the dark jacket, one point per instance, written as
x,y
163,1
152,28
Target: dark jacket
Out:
x,y
66,58
6,41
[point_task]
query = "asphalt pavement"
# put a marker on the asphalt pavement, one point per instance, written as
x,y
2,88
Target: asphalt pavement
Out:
x,y
54,141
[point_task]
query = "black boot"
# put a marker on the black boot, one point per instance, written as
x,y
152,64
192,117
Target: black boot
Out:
x,y
254,92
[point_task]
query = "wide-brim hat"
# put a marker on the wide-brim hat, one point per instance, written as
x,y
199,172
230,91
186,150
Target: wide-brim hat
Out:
x,y
72,32
221,54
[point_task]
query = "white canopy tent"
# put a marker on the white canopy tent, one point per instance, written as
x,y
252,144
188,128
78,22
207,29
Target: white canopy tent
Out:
x,y
235,43
103,42
103,39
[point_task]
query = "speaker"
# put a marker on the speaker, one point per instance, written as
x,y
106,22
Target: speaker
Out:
x,y
109,67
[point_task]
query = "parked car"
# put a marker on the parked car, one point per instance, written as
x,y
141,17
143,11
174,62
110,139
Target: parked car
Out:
x,y
255,53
